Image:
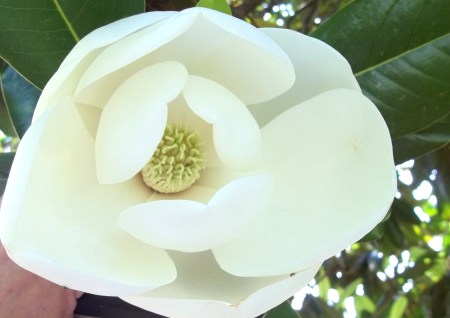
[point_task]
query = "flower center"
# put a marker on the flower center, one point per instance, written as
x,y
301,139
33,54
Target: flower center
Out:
x,y
177,162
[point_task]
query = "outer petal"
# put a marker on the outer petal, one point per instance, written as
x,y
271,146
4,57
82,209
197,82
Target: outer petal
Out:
x,y
237,138
65,80
202,290
193,37
318,68
135,117
64,229
331,159
240,69
191,226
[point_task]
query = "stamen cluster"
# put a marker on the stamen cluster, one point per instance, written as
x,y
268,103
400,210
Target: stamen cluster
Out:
x,y
177,162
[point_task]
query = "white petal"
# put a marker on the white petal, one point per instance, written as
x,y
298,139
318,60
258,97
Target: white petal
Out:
x,y
128,50
63,83
202,290
217,177
58,222
318,68
115,31
134,118
331,159
181,114
191,226
206,43
236,134
232,52
65,80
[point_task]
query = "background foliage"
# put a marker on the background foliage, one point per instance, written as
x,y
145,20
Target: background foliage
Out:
x,y
399,51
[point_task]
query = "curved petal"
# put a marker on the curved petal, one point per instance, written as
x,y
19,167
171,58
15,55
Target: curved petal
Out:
x,y
332,164
191,226
63,83
65,80
237,138
125,51
202,290
136,116
194,38
318,68
180,113
239,70
58,222
115,31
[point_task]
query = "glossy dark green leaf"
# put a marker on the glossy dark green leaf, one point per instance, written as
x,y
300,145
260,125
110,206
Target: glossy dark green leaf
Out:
x,y
393,234
218,5
282,311
422,142
6,125
375,234
20,98
35,35
403,212
399,51
6,160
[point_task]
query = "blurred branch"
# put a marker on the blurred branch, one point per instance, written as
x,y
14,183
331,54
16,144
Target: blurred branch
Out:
x,y
171,5
245,8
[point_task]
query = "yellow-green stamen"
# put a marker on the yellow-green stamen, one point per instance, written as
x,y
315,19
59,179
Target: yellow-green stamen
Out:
x,y
177,162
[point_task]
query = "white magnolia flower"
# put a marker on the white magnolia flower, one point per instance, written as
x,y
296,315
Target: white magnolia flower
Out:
x,y
289,162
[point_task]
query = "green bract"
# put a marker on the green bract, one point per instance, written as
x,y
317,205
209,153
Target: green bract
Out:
x,y
299,165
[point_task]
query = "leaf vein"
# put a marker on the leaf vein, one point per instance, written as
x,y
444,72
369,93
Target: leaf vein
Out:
x,y
400,55
66,21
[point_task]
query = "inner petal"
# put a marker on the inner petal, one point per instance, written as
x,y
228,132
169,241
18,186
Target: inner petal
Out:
x,y
180,113
236,134
121,53
135,116
205,42
191,226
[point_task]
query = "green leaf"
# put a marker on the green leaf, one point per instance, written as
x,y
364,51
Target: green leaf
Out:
x,y
393,234
218,5
398,307
36,35
282,311
20,98
399,51
324,286
422,142
364,303
375,234
6,125
6,160
349,291
402,211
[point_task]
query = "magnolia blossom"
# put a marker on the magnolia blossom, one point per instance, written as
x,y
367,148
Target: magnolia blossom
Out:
x,y
293,165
